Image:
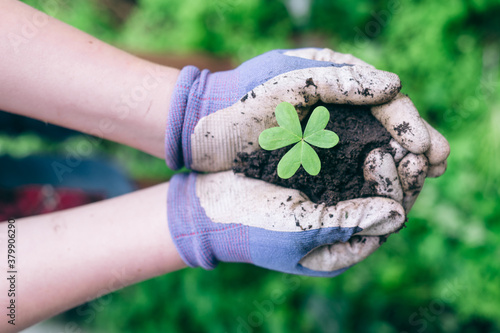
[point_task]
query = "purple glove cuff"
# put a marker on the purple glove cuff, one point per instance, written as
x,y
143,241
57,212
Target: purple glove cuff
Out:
x,y
197,239
190,103
173,135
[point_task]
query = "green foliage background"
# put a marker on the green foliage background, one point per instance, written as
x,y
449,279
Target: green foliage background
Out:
x,y
441,273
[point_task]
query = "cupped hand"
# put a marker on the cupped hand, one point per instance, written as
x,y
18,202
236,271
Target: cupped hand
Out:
x,y
227,217
214,116
418,149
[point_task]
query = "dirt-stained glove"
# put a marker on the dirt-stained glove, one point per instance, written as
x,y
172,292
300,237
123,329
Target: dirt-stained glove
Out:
x,y
419,150
213,116
226,217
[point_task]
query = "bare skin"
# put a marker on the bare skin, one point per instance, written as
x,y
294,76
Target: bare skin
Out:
x,y
70,257
58,74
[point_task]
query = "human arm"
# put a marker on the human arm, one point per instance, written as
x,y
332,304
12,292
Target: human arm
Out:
x,y
70,257
63,76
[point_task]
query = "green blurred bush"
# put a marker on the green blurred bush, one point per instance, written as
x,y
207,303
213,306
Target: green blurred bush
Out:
x,y
441,273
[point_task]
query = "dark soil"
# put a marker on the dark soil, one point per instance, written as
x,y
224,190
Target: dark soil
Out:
x,y
341,176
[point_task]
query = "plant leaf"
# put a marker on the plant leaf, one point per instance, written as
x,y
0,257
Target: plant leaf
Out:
x,y
310,160
287,117
290,162
276,137
318,121
323,139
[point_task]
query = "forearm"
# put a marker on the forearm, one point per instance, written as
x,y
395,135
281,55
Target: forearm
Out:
x,y
67,258
63,76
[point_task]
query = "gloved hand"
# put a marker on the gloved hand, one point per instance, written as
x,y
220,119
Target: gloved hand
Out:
x,y
213,116
419,150
226,217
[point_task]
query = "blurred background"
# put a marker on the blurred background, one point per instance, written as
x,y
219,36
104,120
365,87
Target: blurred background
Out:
x,y
440,274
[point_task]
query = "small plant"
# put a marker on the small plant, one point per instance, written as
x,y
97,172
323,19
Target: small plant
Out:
x,y
290,132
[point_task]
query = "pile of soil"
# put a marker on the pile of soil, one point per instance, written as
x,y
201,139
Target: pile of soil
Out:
x,y
341,176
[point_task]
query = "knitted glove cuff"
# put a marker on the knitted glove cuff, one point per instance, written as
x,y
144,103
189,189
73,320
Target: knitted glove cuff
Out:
x,y
174,155
199,241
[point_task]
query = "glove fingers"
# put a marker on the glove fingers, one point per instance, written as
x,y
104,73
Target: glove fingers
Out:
x,y
336,256
356,85
402,120
412,171
327,55
229,198
380,170
375,215
437,170
439,149
397,150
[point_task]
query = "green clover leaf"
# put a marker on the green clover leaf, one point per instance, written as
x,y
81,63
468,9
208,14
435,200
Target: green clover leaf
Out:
x,y
290,132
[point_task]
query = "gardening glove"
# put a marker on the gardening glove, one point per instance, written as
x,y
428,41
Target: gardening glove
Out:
x,y
227,217
418,150
213,116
